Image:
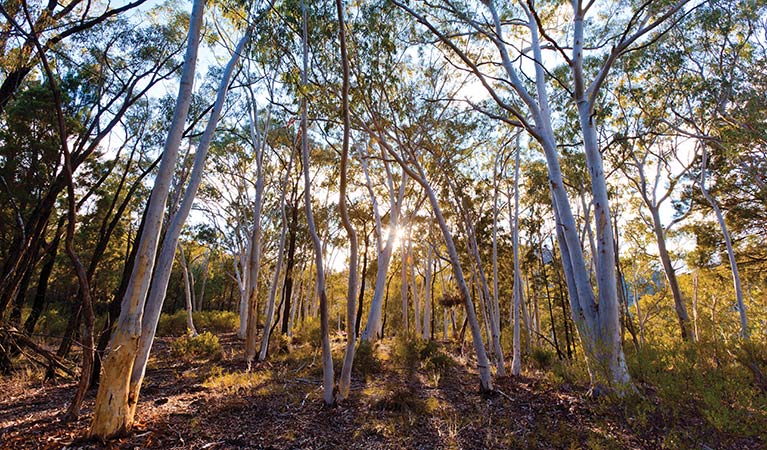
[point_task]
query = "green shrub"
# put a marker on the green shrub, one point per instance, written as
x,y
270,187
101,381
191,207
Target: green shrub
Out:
x,y
172,324
541,358
213,321
309,333
202,346
440,362
217,321
706,379
52,322
408,353
401,400
569,372
365,361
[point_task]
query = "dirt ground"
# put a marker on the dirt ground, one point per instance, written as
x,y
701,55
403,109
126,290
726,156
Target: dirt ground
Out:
x,y
214,404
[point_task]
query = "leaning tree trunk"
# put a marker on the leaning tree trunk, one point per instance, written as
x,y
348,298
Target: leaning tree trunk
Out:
x,y
112,414
471,317
277,265
351,292
327,357
516,361
728,243
164,264
374,326
190,329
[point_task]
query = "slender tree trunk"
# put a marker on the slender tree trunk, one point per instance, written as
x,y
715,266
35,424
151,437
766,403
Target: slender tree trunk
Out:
x,y
728,243
190,329
38,303
351,294
374,323
112,415
278,264
164,263
695,334
427,295
363,276
516,360
476,333
327,358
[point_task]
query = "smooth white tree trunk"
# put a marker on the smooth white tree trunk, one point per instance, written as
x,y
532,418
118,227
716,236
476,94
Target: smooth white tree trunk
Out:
x,y
728,243
327,357
161,275
112,415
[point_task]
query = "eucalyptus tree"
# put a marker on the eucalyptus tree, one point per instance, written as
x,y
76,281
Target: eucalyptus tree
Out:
x,y
164,263
406,133
98,91
31,31
649,168
485,25
112,414
716,88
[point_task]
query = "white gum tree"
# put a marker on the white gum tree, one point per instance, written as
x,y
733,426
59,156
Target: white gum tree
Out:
x,y
520,34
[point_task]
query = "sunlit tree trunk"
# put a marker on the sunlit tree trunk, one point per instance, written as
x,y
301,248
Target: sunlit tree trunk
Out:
x,y
112,414
427,293
327,358
728,243
351,293
187,293
373,326
516,360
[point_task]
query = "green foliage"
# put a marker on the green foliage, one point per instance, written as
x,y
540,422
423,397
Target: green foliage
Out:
x,y
365,360
309,333
235,382
569,372
409,353
708,380
214,321
440,362
52,322
202,346
541,358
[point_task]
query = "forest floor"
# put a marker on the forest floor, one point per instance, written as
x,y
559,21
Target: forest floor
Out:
x,y
400,403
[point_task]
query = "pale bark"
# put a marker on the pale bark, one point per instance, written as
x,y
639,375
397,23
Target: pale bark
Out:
x,y
191,330
427,312
695,334
201,298
373,326
164,264
728,243
254,264
414,284
277,265
112,414
327,358
516,361
351,292
418,174
403,284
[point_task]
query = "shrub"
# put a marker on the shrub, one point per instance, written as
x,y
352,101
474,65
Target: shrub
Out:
x,y
232,382
569,371
217,321
408,353
172,324
541,358
52,322
205,345
440,362
213,321
365,361
309,333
